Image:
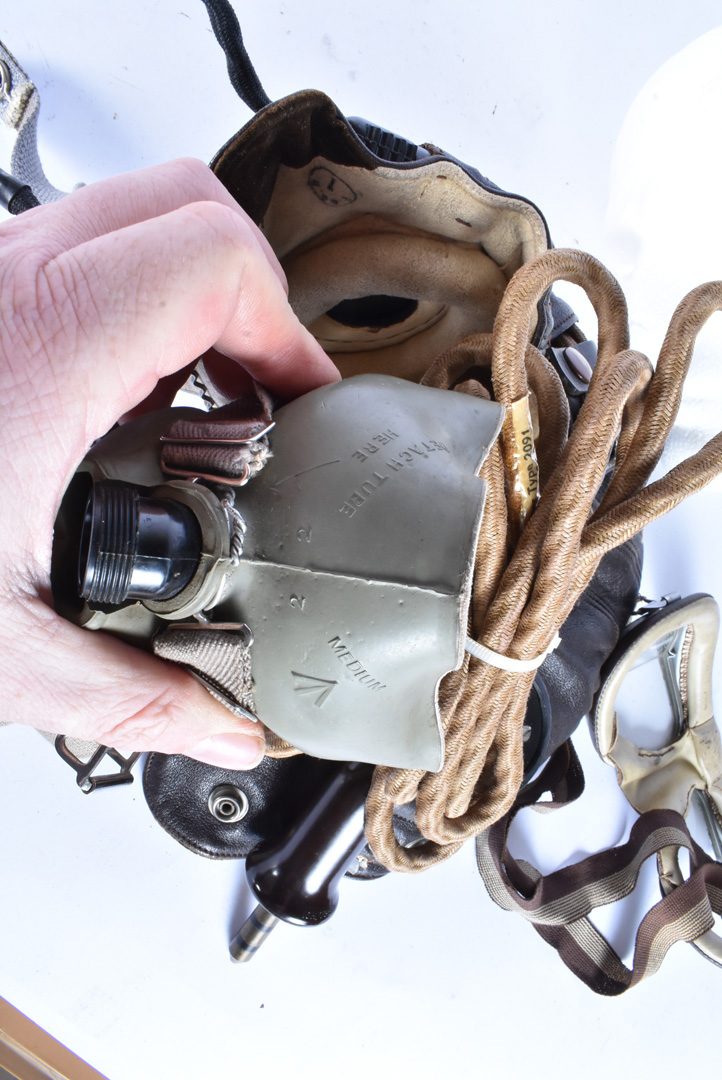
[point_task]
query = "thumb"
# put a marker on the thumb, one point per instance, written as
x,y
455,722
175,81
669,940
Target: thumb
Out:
x,y
93,686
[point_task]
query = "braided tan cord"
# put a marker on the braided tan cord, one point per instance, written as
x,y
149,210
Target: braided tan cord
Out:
x,y
525,588
665,393
276,747
512,330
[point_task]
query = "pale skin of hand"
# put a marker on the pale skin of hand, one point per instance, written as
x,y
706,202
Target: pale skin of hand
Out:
x,y
120,284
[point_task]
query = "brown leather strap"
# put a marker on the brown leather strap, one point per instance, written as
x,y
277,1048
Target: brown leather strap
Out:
x,y
558,904
226,445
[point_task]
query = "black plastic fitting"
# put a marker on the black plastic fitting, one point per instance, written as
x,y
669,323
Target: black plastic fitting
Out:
x,y
15,196
135,548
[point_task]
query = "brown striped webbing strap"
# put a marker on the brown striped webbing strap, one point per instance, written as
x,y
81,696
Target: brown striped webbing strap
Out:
x,y
558,905
226,445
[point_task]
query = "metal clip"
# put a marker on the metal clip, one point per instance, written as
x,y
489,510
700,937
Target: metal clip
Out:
x,y
84,770
242,629
6,81
211,478
645,606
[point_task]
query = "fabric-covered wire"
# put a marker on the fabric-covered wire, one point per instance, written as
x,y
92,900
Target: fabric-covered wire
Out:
x,y
530,574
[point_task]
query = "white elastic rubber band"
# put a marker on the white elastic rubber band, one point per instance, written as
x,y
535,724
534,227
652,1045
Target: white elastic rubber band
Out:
x,y
510,663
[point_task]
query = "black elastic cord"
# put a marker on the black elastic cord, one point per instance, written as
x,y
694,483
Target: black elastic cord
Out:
x,y
244,80
15,196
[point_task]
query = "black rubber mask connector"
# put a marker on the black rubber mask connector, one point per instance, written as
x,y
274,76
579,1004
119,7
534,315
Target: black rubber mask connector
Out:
x,y
135,548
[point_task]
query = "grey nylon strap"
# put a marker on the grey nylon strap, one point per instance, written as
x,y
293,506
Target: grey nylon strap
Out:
x,y
19,108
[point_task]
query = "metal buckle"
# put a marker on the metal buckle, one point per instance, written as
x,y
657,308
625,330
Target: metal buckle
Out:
x,y
84,770
212,440
243,630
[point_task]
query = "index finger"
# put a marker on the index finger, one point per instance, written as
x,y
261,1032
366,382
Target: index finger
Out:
x,y
119,201
117,313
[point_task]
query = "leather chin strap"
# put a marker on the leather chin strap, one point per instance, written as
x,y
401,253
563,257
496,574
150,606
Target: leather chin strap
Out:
x,y
457,288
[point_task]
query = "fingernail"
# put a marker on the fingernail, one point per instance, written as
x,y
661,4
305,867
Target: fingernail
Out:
x,y
230,751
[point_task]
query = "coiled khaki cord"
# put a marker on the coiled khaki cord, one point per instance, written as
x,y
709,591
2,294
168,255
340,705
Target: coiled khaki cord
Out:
x,y
525,588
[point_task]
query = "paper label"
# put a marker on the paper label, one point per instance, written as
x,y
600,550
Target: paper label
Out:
x,y
524,465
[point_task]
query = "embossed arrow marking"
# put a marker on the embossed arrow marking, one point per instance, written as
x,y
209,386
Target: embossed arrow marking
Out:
x,y
311,684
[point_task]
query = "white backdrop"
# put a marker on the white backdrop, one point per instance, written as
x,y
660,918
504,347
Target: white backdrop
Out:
x,y
111,935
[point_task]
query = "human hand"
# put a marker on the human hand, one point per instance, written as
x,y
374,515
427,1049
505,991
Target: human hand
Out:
x,y
120,285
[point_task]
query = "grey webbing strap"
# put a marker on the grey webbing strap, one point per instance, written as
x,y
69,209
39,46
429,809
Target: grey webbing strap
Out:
x,y
19,107
220,657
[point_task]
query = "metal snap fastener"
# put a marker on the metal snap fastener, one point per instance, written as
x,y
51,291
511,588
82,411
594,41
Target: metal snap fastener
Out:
x,y
228,803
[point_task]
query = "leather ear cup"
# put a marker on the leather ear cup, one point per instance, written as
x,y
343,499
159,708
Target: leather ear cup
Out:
x,y
181,792
569,678
456,288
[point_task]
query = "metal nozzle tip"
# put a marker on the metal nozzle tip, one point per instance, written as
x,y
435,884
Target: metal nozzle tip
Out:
x,y
252,934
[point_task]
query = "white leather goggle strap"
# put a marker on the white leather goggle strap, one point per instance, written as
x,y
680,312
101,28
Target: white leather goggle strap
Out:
x,y
683,635
665,777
